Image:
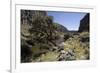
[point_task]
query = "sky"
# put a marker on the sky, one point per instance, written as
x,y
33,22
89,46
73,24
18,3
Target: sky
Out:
x,y
70,20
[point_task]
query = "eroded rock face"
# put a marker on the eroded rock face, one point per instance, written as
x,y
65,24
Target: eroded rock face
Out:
x,y
84,23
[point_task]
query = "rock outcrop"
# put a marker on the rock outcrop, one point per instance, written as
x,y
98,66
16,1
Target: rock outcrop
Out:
x,y
85,23
28,15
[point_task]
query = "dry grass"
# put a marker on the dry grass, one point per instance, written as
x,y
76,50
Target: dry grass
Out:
x,y
81,49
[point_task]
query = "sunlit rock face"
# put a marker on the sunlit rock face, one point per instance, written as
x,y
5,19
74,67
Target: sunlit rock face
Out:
x,y
84,23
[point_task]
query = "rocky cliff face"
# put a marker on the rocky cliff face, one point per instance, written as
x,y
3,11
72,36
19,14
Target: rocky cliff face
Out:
x,y
84,23
27,15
